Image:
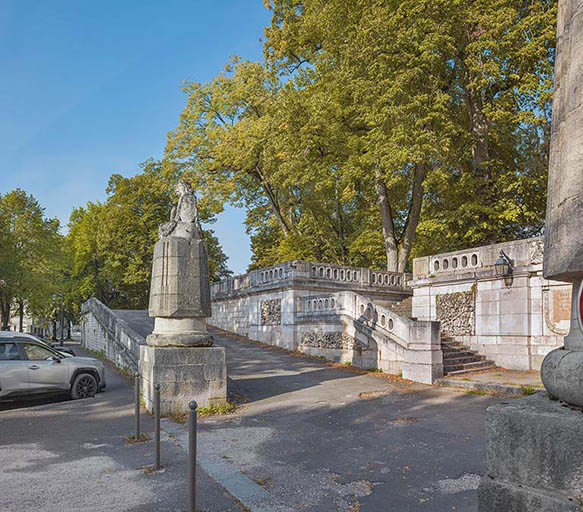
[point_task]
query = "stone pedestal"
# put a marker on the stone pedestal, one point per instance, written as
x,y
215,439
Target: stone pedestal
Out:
x,y
534,457
184,374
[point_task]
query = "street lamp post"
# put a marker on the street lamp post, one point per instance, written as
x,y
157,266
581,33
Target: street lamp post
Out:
x,y
55,295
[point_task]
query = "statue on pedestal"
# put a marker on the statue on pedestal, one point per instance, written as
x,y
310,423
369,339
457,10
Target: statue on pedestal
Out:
x,y
179,355
180,293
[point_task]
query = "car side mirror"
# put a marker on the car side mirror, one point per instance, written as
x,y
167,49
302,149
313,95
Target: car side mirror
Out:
x,y
56,359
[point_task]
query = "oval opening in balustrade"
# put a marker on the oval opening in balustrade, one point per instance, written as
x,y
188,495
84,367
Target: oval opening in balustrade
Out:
x,y
315,304
376,316
329,273
436,266
387,279
332,303
383,320
326,303
280,273
445,264
342,274
321,271
362,309
373,278
390,324
454,263
368,313
335,273
464,261
474,260
314,271
320,304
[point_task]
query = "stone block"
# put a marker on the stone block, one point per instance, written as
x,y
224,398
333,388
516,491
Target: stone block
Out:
x,y
184,374
534,457
180,286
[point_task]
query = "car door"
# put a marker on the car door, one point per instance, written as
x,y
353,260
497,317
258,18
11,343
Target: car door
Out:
x,y
46,371
13,370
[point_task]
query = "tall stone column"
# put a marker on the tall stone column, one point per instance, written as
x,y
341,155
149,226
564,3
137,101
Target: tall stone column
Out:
x,y
535,444
562,369
179,354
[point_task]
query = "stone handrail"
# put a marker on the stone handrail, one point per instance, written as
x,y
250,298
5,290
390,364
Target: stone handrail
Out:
x,y
323,275
124,343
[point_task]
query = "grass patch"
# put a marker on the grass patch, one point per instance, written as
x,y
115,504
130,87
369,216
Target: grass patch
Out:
x,y
528,390
132,439
474,392
466,378
347,363
375,370
205,412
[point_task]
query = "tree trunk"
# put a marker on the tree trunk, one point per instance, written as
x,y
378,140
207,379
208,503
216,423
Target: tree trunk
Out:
x,y
387,222
20,316
68,329
5,312
412,217
54,337
479,127
274,203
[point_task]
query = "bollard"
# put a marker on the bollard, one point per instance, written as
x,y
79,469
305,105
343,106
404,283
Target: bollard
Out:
x,y
192,456
137,398
157,425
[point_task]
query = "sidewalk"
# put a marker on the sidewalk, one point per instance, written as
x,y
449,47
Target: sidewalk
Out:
x,y
498,380
68,456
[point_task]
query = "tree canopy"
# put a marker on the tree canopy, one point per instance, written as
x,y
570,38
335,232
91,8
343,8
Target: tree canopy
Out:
x,y
374,131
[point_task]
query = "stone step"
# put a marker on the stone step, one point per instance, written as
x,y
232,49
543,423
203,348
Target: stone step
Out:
x,y
463,360
468,368
448,354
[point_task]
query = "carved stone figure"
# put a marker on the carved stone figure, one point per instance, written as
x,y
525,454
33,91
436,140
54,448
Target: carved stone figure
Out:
x,y
179,354
184,221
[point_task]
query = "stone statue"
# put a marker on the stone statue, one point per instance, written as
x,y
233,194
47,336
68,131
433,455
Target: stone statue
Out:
x,y
180,290
562,369
179,354
184,221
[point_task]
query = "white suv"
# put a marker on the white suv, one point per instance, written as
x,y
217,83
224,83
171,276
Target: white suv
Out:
x,y
29,366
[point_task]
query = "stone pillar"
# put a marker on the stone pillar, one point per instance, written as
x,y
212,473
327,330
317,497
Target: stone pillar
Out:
x,y
535,461
179,354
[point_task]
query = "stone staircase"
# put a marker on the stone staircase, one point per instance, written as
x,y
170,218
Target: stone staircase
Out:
x,y
459,359
403,308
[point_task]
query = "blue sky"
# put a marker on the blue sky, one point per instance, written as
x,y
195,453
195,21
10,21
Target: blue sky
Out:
x,y
91,88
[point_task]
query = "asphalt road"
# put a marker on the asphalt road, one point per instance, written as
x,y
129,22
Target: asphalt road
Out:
x,y
71,456
316,438
325,439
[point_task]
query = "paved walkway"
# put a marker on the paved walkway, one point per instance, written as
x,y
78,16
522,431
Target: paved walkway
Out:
x,y
319,438
310,438
71,456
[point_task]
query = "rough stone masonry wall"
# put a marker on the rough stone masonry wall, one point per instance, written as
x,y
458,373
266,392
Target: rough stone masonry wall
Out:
x,y
102,331
516,323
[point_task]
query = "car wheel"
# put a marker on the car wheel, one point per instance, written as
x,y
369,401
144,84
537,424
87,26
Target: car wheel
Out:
x,y
84,386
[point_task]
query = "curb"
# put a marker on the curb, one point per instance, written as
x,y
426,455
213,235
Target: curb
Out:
x,y
254,497
506,389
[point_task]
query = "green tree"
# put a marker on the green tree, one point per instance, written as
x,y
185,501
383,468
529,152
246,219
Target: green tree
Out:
x,y
30,255
112,242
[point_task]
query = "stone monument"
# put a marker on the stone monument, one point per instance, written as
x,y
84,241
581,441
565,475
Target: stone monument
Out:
x,y
179,354
535,444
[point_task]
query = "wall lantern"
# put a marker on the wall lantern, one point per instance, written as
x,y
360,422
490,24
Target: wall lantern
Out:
x,y
504,267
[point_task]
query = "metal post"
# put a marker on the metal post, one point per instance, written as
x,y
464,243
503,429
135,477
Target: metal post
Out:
x,y
157,425
137,399
192,457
